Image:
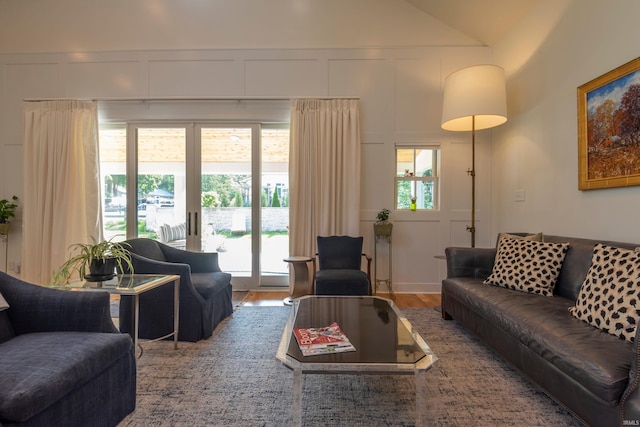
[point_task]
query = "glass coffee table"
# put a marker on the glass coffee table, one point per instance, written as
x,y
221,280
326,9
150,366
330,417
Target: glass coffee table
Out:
x,y
384,340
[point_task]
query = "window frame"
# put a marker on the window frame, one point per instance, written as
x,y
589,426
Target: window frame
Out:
x,y
414,179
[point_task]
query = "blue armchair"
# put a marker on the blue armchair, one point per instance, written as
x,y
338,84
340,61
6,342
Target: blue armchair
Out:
x,y
340,267
62,360
205,292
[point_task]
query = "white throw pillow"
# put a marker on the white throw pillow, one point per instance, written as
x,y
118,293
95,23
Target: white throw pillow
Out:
x,y
527,265
609,298
3,303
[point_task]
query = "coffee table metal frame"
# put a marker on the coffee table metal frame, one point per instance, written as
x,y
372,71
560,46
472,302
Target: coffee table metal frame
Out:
x,y
134,285
417,369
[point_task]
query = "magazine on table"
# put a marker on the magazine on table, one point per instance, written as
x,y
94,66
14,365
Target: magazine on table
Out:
x,y
327,340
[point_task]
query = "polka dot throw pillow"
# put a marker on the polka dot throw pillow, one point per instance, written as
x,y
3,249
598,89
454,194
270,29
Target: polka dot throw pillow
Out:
x,y
527,266
609,298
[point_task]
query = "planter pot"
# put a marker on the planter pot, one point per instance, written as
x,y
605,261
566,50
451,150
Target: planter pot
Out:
x,y
382,228
4,228
101,270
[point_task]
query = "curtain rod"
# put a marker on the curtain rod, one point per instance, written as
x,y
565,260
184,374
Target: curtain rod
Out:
x,y
167,99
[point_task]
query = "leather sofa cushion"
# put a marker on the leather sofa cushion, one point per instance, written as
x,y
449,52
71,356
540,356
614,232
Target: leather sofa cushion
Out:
x,y
209,284
576,263
57,363
598,361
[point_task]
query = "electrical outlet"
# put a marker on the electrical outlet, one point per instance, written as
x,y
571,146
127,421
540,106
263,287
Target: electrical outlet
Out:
x,y
518,196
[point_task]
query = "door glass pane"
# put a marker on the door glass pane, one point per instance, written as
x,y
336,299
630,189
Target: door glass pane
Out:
x,y
161,186
226,197
275,202
113,168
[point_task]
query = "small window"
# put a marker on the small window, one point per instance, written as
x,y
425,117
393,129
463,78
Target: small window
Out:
x,y
417,177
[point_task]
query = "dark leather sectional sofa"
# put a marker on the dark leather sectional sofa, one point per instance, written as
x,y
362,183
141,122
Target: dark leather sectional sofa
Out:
x,y
590,372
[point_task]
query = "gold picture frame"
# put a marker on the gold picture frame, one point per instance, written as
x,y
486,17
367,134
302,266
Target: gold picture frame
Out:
x,y
609,129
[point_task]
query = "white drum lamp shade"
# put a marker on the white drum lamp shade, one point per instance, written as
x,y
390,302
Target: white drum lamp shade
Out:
x,y
478,91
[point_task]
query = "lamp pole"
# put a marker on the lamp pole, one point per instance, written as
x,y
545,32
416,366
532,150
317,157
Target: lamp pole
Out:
x,y
472,172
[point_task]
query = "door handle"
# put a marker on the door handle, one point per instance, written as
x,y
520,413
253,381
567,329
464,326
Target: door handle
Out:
x,y
189,223
195,225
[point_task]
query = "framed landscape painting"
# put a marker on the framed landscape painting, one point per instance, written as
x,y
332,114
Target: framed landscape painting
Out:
x,y
609,129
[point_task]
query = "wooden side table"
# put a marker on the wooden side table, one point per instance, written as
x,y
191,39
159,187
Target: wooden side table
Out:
x,y
300,284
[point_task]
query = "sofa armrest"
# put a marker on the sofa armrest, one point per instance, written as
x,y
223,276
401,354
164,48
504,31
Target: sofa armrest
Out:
x,y
144,265
469,262
200,262
630,402
35,308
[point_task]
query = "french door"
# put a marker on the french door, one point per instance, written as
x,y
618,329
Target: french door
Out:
x,y
207,187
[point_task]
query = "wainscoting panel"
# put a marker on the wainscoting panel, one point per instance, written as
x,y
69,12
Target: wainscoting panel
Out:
x,y
106,79
196,78
285,77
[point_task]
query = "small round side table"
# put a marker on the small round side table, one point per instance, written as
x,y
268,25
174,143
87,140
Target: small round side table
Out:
x,y
300,284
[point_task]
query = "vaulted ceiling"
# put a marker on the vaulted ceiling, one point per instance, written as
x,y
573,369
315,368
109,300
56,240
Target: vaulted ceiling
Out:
x,y
483,20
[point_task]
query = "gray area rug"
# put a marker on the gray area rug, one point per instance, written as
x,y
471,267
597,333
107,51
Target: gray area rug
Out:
x,y
233,379
237,300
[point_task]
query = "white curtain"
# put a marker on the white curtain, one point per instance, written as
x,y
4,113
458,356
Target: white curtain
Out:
x,y
324,171
61,203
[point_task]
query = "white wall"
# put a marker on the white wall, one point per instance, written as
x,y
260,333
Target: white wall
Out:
x,y
560,46
96,25
400,87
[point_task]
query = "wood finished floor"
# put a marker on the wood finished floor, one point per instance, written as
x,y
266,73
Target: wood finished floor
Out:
x,y
268,298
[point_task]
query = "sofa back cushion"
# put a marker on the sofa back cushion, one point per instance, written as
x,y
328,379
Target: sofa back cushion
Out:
x,y
339,252
577,262
147,248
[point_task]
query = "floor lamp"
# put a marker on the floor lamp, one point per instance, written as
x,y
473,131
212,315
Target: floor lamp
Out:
x,y
475,98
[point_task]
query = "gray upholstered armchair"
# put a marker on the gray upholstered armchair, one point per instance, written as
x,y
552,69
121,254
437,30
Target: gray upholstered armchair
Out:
x,y
205,292
340,267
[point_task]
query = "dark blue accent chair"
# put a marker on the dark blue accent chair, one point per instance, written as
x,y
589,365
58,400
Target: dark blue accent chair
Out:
x,y
340,267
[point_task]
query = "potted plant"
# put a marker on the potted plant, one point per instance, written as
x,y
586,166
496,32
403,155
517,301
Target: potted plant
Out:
x,y
100,259
7,211
382,226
